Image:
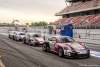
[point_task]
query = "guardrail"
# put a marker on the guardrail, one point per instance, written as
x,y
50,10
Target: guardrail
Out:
x,y
76,35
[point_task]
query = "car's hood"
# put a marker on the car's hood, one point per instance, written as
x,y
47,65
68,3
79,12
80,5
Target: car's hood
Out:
x,y
74,45
39,39
22,36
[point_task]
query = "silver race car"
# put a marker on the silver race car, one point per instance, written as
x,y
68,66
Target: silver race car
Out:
x,y
33,39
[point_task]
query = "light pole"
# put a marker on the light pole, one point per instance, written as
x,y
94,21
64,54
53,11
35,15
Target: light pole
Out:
x,y
87,22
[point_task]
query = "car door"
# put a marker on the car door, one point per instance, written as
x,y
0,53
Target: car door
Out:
x,y
52,43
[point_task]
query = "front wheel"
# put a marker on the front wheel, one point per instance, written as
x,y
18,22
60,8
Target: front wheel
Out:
x,y
24,42
30,43
9,36
44,47
88,55
61,52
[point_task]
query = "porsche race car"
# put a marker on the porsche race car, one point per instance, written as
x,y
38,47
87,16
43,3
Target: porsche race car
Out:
x,y
66,46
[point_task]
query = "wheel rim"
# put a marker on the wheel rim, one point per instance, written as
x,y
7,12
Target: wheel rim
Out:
x,y
29,43
23,41
44,47
60,52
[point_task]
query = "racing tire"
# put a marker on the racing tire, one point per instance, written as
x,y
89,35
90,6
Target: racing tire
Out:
x,y
61,52
34,44
24,41
9,36
44,47
13,38
88,55
29,43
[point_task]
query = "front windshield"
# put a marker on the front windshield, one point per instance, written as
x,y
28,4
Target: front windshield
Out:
x,y
36,35
66,39
21,33
12,32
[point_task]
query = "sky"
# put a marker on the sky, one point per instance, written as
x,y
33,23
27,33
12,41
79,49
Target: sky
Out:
x,y
27,11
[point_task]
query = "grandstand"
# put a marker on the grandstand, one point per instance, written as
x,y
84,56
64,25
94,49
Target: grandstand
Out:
x,y
80,13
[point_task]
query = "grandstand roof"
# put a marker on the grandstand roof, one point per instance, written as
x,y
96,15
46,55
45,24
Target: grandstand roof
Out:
x,y
73,0
80,6
76,0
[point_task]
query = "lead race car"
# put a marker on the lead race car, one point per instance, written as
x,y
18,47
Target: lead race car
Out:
x,y
66,46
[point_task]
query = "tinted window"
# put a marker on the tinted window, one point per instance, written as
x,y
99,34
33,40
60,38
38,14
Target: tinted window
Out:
x,y
21,33
66,39
36,35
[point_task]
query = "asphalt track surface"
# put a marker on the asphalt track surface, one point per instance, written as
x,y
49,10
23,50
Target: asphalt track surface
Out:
x,y
17,54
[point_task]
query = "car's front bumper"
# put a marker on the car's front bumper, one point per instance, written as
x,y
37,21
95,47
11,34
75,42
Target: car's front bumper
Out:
x,y
38,43
76,54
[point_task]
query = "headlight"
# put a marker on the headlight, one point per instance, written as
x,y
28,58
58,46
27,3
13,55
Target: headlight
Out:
x,y
65,48
84,45
31,39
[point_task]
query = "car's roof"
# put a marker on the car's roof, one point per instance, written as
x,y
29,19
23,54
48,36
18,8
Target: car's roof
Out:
x,y
13,31
20,32
60,36
57,36
32,33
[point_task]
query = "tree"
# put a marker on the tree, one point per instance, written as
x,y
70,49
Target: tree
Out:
x,y
40,23
50,23
27,24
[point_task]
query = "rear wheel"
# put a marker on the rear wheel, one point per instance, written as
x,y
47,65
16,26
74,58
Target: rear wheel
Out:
x,y
13,38
34,44
16,38
61,52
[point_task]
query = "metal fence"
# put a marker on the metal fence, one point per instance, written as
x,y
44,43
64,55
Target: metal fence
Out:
x,y
78,33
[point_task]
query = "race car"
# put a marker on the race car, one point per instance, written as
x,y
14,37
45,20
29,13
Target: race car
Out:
x,y
18,36
66,46
11,34
34,39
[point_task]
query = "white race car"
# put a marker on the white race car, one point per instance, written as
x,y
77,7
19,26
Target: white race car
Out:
x,y
66,46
